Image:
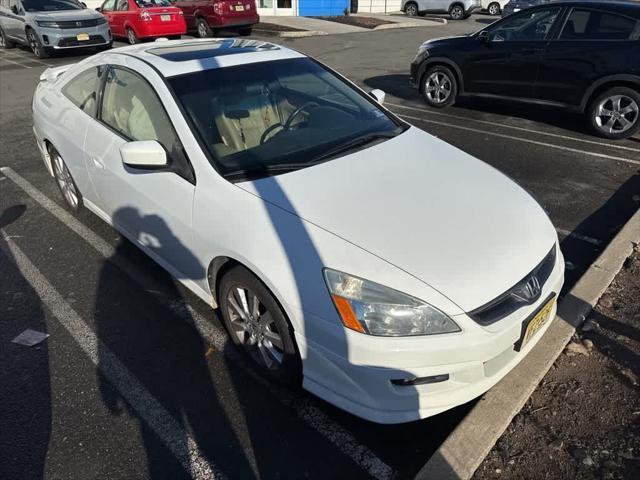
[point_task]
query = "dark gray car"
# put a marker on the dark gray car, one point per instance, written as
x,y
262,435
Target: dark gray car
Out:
x,y
49,25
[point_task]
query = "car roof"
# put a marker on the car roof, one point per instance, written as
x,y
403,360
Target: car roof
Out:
x,y
177,57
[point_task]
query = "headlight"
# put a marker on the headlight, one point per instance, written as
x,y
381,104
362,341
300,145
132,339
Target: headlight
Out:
x,y
368,307
46,23
101,21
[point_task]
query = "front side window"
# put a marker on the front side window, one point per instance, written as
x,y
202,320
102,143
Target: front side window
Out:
x,y
525,26
51,5
265,118
122,5
131,107
109,5
82,91
597,25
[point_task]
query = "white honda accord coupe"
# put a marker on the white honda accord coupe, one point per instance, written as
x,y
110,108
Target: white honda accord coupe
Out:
x,y
391,273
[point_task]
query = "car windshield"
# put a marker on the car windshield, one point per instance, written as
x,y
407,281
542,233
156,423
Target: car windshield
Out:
x,y
153,3
266,118
51,5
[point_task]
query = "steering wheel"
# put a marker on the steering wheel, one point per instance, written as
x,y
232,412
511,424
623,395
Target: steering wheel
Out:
x,y
287,124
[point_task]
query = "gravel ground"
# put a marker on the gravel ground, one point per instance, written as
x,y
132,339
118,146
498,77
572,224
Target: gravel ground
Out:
x,y
583,421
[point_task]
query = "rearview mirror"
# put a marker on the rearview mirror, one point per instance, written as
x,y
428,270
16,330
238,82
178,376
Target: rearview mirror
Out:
x,y
14,9
144,154
99,9
378,95
484,36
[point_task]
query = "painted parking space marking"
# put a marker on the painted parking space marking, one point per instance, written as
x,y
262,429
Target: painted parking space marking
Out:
x,y
17,56
4,59
168,430
525,140
514,127
304,408
579,236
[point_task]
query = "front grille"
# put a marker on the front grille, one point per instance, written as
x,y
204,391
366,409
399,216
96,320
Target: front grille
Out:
x,y
92,22
73,41
513,299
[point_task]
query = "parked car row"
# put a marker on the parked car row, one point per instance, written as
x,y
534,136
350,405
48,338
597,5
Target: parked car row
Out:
x,y
47,26
457,9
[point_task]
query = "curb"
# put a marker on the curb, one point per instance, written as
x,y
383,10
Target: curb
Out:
x,y
296,34
466,447
389,26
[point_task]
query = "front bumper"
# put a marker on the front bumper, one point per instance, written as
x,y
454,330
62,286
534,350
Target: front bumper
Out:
x,y
62,38
474,360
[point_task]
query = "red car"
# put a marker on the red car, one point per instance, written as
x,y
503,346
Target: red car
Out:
x,y
139,19
208,16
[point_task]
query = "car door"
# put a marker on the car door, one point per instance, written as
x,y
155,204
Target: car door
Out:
x,y
151,207
593,43
507,56
15,21
108,9
119,16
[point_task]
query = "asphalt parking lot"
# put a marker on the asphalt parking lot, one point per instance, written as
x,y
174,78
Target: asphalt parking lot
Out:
x,y
136,379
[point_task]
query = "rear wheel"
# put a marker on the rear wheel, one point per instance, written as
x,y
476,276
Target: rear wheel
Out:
x,y
411,9
5,43
68,188
202,28
258,326
132,37
456,12
615,114
439,87
34,43
494,8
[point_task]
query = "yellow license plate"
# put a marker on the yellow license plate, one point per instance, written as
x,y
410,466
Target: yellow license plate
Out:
x,y
536,323
240,8
82,37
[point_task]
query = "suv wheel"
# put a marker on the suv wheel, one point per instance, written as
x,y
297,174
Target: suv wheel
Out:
x,y
494,8
456,12
4,41
411,9
615,114
202,28
34,43
439,87
258,326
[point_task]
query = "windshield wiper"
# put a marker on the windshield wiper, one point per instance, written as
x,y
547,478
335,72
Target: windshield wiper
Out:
x,y
355,143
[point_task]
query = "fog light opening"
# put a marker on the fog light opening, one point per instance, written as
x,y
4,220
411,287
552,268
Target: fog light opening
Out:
x,y
406,382
45,39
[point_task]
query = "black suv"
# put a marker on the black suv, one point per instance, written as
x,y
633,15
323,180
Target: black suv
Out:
x,y
582,55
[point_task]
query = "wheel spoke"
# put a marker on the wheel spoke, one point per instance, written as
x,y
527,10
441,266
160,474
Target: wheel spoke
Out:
x,y
609,125
266,356
275,339
239,311
624,123
255,306
239,326
631,108
617,102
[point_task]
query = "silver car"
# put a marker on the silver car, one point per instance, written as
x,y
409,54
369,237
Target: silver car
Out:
x,y
457,9
49,25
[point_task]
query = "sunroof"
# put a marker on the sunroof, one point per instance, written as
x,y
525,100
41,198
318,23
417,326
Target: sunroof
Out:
x,y
215,48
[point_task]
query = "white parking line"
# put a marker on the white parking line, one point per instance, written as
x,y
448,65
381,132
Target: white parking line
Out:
x,y
304,408
176,439
579,236
525,140
15,63
28,59
513,127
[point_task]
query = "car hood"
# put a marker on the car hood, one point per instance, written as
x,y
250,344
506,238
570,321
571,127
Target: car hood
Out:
x,y
437,213
63,15
442,41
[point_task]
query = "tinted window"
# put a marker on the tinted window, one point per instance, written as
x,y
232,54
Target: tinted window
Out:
x,y
525,26
153,3
595,25
82,91
270,117
109,5
131,107
50,5
122,5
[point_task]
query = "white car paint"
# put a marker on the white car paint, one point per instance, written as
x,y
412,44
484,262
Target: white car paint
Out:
x,y
486,3
411,213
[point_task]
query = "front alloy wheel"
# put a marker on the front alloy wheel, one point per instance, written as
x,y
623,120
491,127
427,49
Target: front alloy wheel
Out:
x,y
257,325
35,45
439,87
411,10
494,9
456,12
616,113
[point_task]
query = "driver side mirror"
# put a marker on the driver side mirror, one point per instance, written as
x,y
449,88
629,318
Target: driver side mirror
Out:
x,y
378,95
484,36
14,9
99,9
146,154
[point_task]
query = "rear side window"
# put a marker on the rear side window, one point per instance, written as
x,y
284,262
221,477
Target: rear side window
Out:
x,y
82,91
596,25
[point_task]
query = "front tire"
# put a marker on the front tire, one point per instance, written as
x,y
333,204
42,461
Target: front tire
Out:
x,y
411,9
67,186
615,114
494,8
456,12
439,87
202,29
257,325
36,46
